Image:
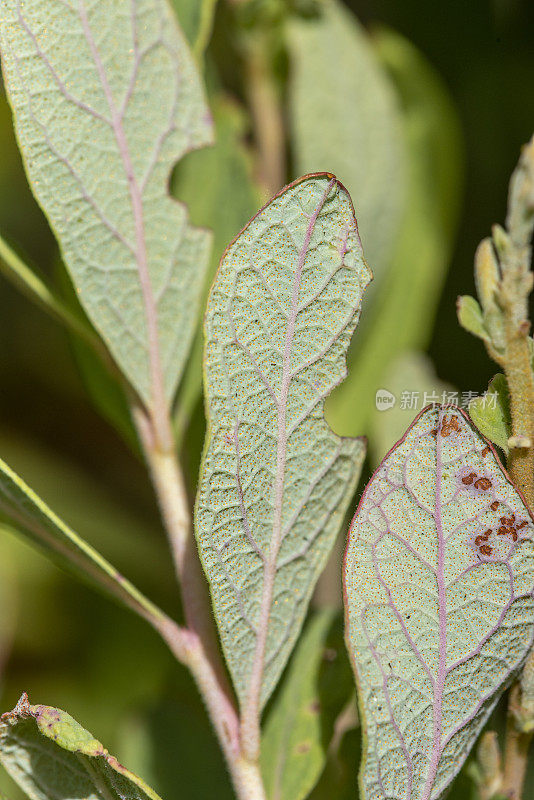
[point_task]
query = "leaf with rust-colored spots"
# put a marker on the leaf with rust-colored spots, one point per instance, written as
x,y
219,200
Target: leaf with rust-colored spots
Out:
x,y
439,576
99,143
300,724
275,480
51,756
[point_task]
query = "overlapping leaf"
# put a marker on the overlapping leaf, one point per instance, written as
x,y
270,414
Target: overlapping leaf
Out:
x,y
401,317
22,508
439,575
106,99
50,755
345,118
275,480
196,20
299,728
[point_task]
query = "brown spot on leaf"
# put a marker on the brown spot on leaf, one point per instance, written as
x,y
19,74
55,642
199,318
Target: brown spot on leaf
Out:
x,y
468,479
303,747
486,451
495,505
486,550
483,483
450,425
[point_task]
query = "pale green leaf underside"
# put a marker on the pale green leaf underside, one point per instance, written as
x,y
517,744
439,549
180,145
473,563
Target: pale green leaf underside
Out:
x,y
275,481
353,130
293,750
29,515
438,619
106,99
51,756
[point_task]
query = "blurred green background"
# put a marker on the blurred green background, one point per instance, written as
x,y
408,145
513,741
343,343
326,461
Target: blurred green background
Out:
x,y
461,138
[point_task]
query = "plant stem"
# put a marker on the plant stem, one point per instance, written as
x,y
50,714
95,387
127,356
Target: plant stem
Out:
x,y
512,293
197,645
267,116
521,387
516,748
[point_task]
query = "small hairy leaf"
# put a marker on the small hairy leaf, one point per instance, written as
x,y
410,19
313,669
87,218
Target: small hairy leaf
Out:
x,y
106,98
22,508
354,131
275,481
300,724
51,756
439,575
470,317
491,413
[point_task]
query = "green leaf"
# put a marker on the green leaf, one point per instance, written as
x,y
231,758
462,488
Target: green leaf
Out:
x,y
491,413
196,20
86,73
471,318
22,508
412,381
50,756
275,481
345,118
8,605
34,287
439,577
232,199
104,385
401,318
300,724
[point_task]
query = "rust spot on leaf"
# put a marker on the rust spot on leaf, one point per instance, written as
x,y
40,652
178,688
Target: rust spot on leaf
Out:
x,y
450,425
468,479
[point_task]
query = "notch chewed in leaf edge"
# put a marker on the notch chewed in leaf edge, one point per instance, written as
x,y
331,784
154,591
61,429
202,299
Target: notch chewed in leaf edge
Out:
x,y
275,480
438,579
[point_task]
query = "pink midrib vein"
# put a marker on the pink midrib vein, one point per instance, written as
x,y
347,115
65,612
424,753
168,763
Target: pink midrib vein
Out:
x,y
159,406
442,623
251,711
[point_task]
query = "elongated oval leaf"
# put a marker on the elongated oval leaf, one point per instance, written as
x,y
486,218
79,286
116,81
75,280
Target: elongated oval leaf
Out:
x,y
402,317
275,481
439,574
300,725
106,99
51,756
24,510
354,130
